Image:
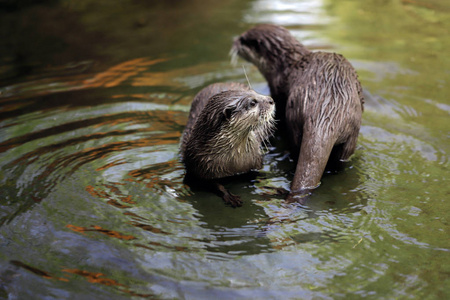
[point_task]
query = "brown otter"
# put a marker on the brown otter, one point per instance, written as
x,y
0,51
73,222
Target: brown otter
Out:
x,y
317,94
228,123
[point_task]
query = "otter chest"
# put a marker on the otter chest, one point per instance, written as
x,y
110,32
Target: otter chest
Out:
x,y
246,160
241,157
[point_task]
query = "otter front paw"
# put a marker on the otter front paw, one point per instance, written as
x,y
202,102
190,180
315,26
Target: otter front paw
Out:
x,y
228,197
232,200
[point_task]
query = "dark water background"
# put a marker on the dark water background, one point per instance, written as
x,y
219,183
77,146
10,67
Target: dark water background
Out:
x,y
94,96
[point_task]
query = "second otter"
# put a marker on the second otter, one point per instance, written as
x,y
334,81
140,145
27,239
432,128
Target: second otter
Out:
x,y
317,93
227,125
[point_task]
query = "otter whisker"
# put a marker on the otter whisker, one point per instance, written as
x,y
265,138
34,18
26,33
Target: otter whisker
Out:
x,y
234,56
245,73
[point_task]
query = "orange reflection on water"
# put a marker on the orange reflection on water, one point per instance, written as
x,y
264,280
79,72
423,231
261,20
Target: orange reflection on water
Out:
x,y
158,139
36,271
151,177
156,170
165,98
112,77
281,243
112,164
95,228
115,194
99,278
96,193
169,78
94,277
150,228
135,216
156,79
15,106
121,72
114,189
117,204
127,199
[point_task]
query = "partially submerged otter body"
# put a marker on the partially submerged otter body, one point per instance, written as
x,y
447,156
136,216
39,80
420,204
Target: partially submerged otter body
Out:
x,y
323,116
319,94
227,125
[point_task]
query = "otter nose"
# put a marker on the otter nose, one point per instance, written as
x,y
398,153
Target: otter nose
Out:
x,y
270,100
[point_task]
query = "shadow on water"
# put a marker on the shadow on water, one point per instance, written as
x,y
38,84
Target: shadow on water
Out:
x,y
94,98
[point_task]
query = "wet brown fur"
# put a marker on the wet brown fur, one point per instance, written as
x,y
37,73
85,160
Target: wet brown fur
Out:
x,y
317,94
227,126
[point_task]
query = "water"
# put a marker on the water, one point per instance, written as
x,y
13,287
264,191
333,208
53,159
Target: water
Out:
x,y
94,98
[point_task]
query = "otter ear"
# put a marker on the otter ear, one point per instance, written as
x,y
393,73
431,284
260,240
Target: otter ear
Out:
x,y
227,112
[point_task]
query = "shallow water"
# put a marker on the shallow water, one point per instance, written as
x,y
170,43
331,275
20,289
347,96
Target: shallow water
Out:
x,y
93,100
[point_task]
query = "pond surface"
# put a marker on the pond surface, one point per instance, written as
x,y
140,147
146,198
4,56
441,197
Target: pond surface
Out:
x,y
94,96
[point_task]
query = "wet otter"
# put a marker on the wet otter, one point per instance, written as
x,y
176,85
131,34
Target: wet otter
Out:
x,y
227,125
317,94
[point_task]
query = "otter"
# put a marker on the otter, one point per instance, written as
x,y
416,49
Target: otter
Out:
x,y
317,94
227,126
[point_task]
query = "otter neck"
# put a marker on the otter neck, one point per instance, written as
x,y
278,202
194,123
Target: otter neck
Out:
x,y
236,154
242,141
278,72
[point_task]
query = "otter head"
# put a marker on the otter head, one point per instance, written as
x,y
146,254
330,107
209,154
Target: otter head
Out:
x,y
228,134
269,47
248,112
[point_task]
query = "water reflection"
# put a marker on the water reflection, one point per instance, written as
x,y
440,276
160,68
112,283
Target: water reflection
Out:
x,y
288,13
93,198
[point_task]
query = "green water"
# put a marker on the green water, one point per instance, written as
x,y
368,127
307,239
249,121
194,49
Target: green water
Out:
x,y
94,96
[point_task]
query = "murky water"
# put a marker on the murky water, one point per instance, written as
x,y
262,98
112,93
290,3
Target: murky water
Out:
x,y
94,98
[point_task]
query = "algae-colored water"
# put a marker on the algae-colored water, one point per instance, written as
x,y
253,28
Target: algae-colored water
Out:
x,y
94,96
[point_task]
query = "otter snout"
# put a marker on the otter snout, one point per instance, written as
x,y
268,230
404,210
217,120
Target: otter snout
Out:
x,y
267,103
265,100
264,104
266,109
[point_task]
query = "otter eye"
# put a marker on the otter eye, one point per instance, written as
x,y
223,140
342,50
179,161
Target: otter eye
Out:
x,y
253,103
